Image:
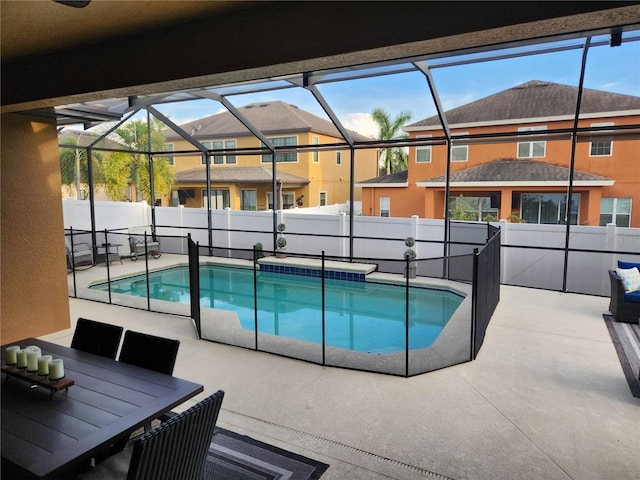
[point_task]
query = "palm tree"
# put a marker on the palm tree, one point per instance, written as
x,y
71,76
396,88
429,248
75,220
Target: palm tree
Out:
x,y
126,168
392,157
74,167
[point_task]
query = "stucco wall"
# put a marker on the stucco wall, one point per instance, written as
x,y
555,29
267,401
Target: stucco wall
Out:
x,y
33,282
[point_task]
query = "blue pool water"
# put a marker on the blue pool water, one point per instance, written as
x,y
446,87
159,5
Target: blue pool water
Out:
x,y
362,316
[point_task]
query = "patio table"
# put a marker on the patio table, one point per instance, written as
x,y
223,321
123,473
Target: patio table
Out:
x,y
47,435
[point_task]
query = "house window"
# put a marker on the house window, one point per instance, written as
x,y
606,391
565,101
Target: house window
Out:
x,y
600,142
169,148
282,157
615,210
472,209
316,157
385,206
323,199
220,145
219,199
531,149
248,200
338,158
548,208
287,200
423,152
459,153
205,158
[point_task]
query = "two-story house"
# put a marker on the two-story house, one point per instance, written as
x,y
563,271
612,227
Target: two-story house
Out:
x,y
241,175
510,157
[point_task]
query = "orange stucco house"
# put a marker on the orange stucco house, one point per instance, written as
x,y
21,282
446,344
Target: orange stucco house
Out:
x,y
241,176
511,154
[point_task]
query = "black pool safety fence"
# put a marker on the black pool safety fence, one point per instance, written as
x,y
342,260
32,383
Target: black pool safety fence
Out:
x,y
466,283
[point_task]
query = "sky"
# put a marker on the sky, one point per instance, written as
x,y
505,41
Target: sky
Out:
x,y
613,69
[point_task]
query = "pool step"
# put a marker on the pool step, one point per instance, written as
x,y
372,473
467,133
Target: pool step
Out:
x,y
311,267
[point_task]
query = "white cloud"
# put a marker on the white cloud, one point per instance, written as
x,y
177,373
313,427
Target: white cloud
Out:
x,y
609,86
361,123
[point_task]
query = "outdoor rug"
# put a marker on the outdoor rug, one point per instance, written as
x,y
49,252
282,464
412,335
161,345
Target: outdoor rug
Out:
x,y
626,340
238,457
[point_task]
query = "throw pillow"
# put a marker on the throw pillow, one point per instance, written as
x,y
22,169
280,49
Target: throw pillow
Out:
x,y
630,278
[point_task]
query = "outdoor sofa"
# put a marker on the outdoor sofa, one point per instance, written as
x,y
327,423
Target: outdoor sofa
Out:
x,y
624,306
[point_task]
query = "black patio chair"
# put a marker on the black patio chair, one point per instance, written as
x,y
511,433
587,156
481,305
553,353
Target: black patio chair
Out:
x,y
96,337
177,449
149,351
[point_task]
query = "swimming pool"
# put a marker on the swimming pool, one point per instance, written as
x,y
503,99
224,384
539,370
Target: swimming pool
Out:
x,y
360,316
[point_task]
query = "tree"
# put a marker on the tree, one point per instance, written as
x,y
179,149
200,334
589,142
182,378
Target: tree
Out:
x,y
393,158
74,167
124,168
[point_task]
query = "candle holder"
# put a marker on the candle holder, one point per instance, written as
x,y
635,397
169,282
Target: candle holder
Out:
x,y
53,385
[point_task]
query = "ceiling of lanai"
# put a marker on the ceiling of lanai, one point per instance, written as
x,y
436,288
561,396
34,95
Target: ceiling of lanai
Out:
x,y
54,54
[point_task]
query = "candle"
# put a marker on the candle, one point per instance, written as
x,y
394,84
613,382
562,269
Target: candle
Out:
x,y
56,369
33,348
12,357
33,353
43,364
21,358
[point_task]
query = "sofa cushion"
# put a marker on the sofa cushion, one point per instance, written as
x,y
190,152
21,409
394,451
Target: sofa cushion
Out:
x,y
632,297
630,278
628,265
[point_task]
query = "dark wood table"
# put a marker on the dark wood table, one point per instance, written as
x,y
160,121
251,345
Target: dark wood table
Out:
x,y
48,436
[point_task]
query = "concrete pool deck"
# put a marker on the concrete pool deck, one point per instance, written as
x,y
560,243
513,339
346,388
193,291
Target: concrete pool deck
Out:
x,y
546,398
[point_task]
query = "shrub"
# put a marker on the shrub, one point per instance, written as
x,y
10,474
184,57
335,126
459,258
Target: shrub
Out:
x,y
409,254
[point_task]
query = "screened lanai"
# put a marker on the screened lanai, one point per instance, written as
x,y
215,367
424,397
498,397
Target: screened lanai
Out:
x,y
338,129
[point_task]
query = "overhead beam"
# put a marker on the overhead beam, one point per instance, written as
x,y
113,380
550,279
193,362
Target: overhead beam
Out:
x,y
195,54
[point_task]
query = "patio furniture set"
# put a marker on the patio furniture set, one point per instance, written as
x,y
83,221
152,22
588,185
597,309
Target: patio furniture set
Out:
x,y
81,253
86,430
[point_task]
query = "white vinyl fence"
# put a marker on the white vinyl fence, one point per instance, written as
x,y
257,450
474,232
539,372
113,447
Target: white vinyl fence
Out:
x,y
532,255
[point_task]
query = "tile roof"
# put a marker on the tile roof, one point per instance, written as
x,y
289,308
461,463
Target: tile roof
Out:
x,y
275,117
512,170
534,99
237,174
397,177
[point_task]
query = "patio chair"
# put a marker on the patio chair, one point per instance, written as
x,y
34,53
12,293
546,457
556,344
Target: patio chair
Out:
x,y
138,248
96,337
624,306
149,351
177,449
81,254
